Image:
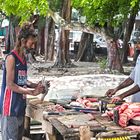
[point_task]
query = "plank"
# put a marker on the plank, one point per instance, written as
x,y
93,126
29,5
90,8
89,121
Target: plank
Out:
x,y
63,130
106,122
39,104
115,134
27,126
102,120
47,127
34,112
36,127
72,133
84,132
39,131
50,137
75,121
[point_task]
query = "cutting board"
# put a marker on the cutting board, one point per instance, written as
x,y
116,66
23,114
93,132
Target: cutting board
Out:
x,y
76,121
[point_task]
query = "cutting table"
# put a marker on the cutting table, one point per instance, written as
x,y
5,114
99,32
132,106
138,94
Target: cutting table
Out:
x,y
69,124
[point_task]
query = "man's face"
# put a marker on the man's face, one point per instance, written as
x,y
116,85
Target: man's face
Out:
x,y
30,43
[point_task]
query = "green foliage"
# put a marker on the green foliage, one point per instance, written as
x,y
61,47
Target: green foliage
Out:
x,y
134,2
96,11
113,12
24,8
102,62
55,5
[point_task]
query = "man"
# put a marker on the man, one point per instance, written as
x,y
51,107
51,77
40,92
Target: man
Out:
x,y
15,86
134,78
137,51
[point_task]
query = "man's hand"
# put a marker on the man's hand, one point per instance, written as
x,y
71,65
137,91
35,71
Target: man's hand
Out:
x,y
116,99
38,89
111,92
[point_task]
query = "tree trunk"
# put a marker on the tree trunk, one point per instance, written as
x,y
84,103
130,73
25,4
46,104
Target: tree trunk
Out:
x,y
128,30
10,37
114,62
46,38
42,40
37,44
62,56
86,51
51,38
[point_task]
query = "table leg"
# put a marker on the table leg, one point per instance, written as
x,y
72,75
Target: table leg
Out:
x,y
50,137
27,126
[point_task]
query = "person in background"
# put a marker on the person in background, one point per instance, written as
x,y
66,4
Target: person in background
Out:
x,y
137,51
15,86
134,79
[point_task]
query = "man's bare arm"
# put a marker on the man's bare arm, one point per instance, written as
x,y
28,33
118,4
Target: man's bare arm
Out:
x,y
31,84
131,91
124,84
10,71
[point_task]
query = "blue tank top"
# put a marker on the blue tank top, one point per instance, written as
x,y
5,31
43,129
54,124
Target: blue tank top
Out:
x,y
12,103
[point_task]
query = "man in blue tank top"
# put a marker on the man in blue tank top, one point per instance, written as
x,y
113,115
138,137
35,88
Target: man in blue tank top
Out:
x,y
15,86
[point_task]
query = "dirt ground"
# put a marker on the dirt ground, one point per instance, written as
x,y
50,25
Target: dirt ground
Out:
x,y
86,78
79,68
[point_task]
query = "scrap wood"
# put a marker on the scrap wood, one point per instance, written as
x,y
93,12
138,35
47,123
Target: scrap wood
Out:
x,y
113,134
102,119
38,102
107,123
70,132
75,121
84,132
62,129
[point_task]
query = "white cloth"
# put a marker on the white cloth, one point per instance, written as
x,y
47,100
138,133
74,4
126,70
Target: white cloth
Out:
x,y
135,76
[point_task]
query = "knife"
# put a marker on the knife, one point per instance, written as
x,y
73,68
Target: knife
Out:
x,y
51,113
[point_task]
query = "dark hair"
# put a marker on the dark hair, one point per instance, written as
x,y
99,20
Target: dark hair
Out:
x,y
25,32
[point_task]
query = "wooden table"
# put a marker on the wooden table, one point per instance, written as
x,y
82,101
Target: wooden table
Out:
x,y
66,126
53,124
